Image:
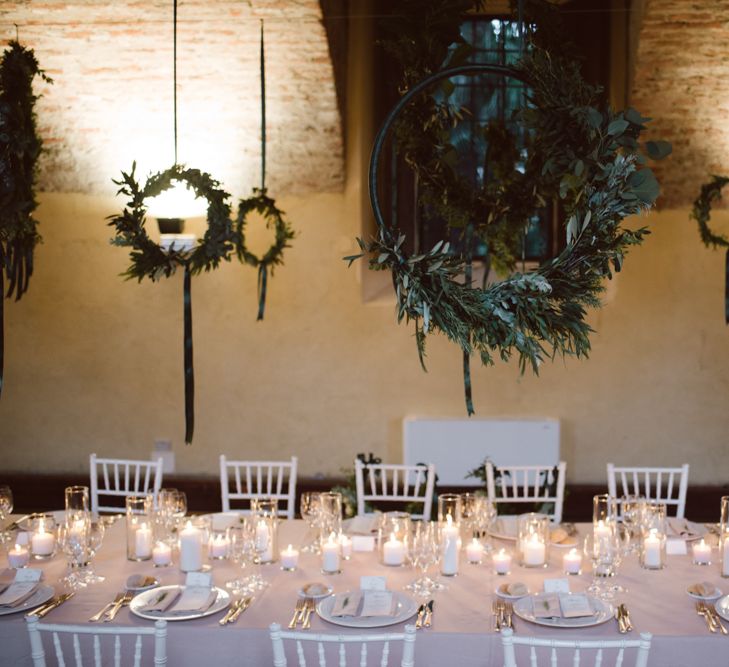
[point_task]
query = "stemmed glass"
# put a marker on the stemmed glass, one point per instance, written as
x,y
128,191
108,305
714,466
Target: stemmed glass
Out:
x,y
604,552
424,553
94,538
310,508
73,540
171,507
240,541
6,508
633,509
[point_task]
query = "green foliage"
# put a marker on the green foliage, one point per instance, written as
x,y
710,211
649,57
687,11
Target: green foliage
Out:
x,y
701,212
149,259
20,147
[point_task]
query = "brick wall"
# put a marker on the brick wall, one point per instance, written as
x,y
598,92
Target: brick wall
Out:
x,y
681,80
112,98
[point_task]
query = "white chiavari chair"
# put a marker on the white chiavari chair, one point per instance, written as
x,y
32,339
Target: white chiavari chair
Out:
x,y
527,484
394,483
119,478
358,655
105,644
246,480
665,485
574,651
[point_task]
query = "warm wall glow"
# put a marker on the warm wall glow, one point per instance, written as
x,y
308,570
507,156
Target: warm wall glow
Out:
x,y
179,201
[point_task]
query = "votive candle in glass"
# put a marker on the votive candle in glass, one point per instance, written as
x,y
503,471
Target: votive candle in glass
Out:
x,y
572,562
393,551
474,551
289,559
501,561
218,546
701,552
42,539
161,554
330,556
18,556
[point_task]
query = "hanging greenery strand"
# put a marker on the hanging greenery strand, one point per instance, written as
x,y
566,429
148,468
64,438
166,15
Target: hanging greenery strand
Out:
x,y
701,212
265,206
20,147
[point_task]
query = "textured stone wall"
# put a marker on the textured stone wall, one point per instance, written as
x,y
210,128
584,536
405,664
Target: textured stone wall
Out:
x,y
682,81
112,101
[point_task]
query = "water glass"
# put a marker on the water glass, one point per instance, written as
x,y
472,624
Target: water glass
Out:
x,y
310,508
77,502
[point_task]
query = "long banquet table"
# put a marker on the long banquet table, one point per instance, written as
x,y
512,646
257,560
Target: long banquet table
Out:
x,y
461,633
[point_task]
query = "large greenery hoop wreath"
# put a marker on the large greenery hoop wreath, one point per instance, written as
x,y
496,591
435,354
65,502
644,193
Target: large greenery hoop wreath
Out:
x,y
20,147
265,206
150,260
701,212
587,156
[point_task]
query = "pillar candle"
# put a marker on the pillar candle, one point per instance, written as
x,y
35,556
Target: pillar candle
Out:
x,y
289,558
702,553
502,562
572,562
534,551
143,541
42,542
18,557
449,540
601,530
330,556
652,550
161,554
191,548
218,547
393,551
474,551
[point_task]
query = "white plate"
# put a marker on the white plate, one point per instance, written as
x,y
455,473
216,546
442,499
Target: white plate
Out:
x,y
42,594
315,590
505,528
722,607
686,530
137,603
713,596
604,611
405,609
506,596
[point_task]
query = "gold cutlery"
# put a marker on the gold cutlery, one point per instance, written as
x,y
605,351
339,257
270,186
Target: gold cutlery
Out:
x,y
428,620
231,610
306,624
421,614
244,604
717,619
97,616
625,615
111,614
508,612
620,618
57,602
702,610
298,613
497,611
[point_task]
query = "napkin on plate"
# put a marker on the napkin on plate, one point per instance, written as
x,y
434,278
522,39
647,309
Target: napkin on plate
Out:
x,y
194,599
365,524
685,529
364,604
555,605
17,593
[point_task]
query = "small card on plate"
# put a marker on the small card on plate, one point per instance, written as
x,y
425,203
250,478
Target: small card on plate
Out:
x,y
28,574
373,583
378,603
363,543
556,586
575,605
199,580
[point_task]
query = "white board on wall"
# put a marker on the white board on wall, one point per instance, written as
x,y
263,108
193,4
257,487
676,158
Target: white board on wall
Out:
x,y
459,445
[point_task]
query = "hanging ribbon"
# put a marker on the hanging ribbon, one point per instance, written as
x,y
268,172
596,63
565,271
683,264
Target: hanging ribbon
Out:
x,y
263,112
262,279
726,288
2,322
468,276
189,371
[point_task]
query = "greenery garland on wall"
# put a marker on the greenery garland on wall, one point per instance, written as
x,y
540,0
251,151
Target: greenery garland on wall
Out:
x,y
20,147
701,212
586,155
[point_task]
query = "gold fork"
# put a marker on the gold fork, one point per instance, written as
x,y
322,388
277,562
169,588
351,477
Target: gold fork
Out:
x,y
307,614
496,609
508,611
111,615
97,616
701,610
298,613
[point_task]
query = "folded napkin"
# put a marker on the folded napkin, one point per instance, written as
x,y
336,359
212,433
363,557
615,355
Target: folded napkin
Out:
x,y
554,605
17,593
363,524
685,529
182,601
365,604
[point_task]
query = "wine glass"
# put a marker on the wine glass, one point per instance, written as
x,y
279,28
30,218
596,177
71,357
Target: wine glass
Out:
x,y
633,509
603,550
73,540
310,510
239,545
423,554
94,538
6,508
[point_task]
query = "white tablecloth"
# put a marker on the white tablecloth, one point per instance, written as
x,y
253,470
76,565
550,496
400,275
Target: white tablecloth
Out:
x,y
461,634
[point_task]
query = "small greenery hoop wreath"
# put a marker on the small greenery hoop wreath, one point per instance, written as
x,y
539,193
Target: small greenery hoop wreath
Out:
x,y
265,206
150,260
587,156
701,212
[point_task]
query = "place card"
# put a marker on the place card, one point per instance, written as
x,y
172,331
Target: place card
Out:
x,y
556,586
675,546
575,605
373,583
28,574
199,580
363,543
377,603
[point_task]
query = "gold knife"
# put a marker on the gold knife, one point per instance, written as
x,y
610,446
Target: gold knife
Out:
x,y
421,613
717,619
428,620
231,610
626,618
57,603
245,603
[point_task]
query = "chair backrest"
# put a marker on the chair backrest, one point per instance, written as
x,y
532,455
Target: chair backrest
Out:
x,y
105,653
527,484
119,478
665,485
395,483
259,479
356,656
579,650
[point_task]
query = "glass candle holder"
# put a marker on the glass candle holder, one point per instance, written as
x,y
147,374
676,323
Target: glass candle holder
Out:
x,y
264,513
701,552
218,545
450,504
77,503
653,545
572,562
724,536
501,560
329,517
474,551
533,539
470,504
42,536
393,537
192,539
604,511
140,527
450,545
330,557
